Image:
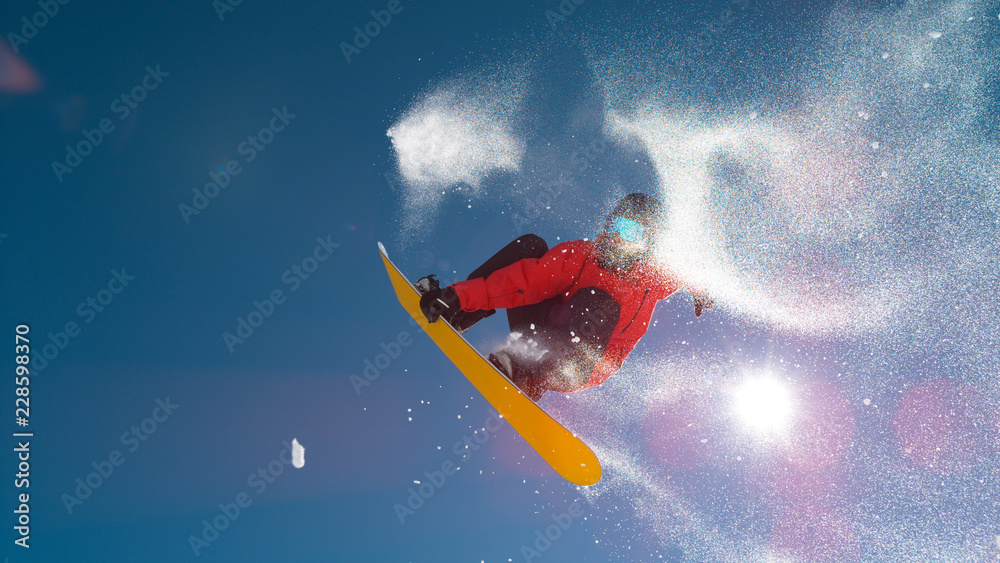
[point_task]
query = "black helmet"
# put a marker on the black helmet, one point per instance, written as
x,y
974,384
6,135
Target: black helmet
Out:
x,y
643,208
635,219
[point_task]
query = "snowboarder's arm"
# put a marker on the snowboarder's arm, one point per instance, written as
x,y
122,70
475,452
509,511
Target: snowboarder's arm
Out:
x,y
524,282
702,300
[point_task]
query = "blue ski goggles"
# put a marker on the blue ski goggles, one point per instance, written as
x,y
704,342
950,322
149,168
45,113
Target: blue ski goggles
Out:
x,y
628,229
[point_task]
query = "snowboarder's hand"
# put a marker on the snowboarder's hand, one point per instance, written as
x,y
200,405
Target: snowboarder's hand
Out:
x,y
440,303
702,302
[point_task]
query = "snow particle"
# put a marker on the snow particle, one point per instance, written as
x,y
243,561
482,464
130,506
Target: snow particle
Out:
x,y
935,34
298,454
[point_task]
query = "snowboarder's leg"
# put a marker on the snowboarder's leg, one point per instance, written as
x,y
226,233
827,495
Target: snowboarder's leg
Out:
x,y
591,314
522,319
526,246
577,334
574,335
519,373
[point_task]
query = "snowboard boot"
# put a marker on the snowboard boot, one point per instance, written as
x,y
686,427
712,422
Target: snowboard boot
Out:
x,y
522,378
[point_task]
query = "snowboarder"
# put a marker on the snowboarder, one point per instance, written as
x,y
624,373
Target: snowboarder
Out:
x,y
575,311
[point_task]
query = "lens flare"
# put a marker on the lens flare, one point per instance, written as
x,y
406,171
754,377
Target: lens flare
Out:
x,y
16,75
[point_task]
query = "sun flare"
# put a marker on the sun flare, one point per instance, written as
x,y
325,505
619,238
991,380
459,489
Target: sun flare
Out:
x,y
763,404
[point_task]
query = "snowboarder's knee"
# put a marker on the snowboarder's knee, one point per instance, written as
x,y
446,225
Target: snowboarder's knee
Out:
x,y
533,246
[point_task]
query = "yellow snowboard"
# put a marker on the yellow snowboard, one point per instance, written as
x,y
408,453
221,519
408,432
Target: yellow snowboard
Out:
x,y
566,453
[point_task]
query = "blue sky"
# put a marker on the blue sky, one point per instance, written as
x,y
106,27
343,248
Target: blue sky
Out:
x,y
883,338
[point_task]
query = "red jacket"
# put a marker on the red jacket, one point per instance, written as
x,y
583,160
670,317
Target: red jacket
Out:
x,y
566,268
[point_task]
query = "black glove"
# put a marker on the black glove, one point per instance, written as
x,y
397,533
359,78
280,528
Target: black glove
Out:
x,y
437,302
702,302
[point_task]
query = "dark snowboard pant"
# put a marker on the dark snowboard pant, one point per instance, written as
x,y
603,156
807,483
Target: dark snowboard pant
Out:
x,y
575,333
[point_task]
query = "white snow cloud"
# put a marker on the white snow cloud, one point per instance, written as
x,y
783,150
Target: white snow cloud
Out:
x,y
455,137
